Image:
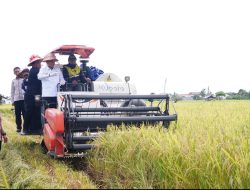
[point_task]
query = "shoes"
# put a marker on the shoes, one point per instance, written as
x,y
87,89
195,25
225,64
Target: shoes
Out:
x,y
24,133
18,130
32,132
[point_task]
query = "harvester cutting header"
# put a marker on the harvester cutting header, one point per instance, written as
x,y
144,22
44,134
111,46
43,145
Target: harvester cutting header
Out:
x,y
85,111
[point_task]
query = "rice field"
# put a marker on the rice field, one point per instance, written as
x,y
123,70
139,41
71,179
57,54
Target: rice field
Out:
x,y
209,147
23,165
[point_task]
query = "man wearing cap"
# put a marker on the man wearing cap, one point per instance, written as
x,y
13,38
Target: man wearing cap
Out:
x,y
50,77
17,98
32,121
73,74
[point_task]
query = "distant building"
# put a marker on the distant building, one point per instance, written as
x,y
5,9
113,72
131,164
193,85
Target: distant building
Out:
x,y
190,96
195,93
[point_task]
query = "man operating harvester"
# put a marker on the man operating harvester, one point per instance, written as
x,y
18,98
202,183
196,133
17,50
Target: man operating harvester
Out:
x,y
73,75
50,77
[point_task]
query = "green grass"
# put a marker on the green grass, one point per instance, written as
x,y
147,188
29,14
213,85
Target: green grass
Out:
x,y
23,165
208,148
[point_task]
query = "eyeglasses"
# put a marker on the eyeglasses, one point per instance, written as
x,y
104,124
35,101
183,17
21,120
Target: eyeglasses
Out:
x,y
17,71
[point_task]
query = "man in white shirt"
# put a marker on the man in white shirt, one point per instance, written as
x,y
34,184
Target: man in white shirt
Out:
x,y
17,98
51,77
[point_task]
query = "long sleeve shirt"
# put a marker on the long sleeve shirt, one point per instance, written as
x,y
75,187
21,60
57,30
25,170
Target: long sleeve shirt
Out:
x,y
34,86
16,90
50,79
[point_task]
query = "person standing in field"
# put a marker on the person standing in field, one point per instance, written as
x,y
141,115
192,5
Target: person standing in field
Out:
x,y
3,136
32,121
51,77
17,98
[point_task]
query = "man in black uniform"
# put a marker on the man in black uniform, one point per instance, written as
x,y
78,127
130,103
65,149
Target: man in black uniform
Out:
x,y
32,120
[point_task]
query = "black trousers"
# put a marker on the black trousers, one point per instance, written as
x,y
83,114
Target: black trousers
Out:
x,y
19,111
32,121
50,102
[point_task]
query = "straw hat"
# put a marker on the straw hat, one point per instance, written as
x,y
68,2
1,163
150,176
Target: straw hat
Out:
x,y
34,58
50,57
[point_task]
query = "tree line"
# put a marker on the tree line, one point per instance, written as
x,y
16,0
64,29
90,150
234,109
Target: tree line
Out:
x,y
3,99
240,95
220,95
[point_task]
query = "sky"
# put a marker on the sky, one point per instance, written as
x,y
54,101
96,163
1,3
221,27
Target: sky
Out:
x,y
178,46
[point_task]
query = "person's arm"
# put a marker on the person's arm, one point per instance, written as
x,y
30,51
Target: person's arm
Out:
x,y
4,136
5,139
61,79
86,78
65,74
0,123
82,77
42,75
23,86
12,91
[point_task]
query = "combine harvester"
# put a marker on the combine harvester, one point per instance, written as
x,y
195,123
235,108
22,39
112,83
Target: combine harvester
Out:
x,y
82,115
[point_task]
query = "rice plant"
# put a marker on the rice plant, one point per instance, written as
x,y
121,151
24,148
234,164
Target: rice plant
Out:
x,y
207,148
23,165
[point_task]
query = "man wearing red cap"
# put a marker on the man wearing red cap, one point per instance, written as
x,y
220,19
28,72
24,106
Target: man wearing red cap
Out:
x,y
32,121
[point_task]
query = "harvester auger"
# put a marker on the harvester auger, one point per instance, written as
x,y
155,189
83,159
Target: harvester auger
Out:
x,y
82,116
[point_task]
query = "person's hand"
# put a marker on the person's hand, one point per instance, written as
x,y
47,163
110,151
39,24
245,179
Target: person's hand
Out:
x,y
62,82
74,82
88,80
53,74
5,139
